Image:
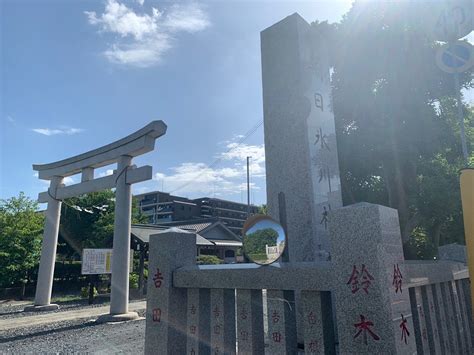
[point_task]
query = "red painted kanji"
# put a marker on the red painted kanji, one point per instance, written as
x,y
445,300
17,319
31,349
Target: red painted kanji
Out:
x,y
365,279
404,328
244,335
216,311
422,314
158,278
311,318
243,313
397,278
156,315
313,346
364,328
217,329
192,329
276,336
275,317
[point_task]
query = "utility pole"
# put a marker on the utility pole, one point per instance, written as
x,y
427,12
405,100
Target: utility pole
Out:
x,y
248,186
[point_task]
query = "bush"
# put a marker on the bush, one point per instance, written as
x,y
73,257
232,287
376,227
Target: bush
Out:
x,y
67,271
258,257
208,260
133,281
85,292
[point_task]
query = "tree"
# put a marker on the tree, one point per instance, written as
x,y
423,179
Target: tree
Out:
x,y
254,243
87,221
263,209
21,226
397,145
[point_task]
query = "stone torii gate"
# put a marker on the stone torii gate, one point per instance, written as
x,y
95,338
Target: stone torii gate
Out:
x,y
121,152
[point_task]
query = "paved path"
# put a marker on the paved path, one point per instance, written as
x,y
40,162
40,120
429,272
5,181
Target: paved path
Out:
x,y
45,318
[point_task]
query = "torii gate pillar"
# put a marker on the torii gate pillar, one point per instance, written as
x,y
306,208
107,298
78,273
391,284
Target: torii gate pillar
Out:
x,y
123,215
48,251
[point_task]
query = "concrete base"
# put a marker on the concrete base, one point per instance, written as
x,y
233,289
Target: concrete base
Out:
x,y
45,308
109,318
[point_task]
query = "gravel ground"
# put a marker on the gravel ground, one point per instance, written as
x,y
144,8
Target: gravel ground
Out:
x,y
76,337
14,310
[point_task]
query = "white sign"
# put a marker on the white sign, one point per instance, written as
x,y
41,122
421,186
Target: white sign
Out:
x,y
455,57
453,20
99,261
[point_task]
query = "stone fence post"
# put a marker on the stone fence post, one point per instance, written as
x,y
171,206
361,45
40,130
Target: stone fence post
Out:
x,y
372,304
166,311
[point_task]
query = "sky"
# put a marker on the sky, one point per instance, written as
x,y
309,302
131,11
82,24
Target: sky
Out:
x,y
76,75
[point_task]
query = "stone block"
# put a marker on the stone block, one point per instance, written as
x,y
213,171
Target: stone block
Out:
x,y
372,303
465,315
431,324
281,323
192,321
312,322
453,252
451,324
249,314
166,312
460,330
419,321
297,108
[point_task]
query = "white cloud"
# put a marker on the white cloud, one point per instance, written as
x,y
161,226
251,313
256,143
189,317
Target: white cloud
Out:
x,y
122,20
10,119
240,152
189,18
69,180
56,131
199,179
106,173
140,190
142,39
139,54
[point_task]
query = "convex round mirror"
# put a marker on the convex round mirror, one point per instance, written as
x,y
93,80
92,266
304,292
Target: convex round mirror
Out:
x,y
264,239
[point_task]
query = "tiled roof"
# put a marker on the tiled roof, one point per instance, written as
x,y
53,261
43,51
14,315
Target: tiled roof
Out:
x,y
143,233
198,227
203,226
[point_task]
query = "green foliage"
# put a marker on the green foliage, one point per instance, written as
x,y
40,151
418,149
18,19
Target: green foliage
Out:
x,y
133,281
208,260
92,230
396,120
259,257
67,271
420,246
85,292
65,298
254,243
263,209
20,238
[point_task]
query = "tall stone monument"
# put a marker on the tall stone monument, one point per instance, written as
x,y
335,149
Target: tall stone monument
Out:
x,y
300,139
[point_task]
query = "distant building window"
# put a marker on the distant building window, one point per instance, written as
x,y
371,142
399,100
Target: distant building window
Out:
x,y
229,254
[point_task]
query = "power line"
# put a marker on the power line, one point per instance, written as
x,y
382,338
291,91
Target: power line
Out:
x,y
218,160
